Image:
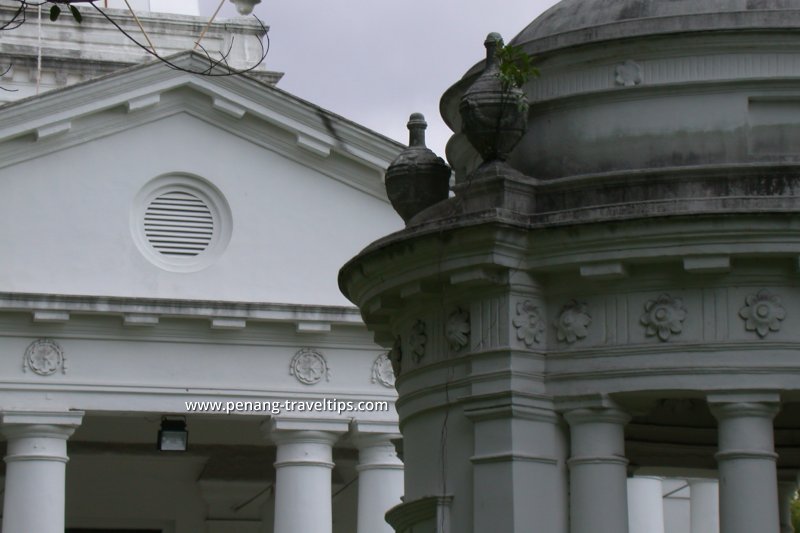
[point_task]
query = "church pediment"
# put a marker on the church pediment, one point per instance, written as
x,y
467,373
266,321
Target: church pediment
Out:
x,y
126,99
155,183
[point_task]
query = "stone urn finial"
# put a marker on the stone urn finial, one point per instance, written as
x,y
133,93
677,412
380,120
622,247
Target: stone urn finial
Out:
x,y
494,112
417,178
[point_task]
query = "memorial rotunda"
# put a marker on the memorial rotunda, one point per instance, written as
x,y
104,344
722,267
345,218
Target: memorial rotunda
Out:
x,y
612,290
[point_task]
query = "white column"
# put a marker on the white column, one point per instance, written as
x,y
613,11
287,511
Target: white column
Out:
x,y
786,491
748,480
380,478
645,505
704,505
303,474
36,459
598,471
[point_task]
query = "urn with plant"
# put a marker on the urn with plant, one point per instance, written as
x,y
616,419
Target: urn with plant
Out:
x,y
494,109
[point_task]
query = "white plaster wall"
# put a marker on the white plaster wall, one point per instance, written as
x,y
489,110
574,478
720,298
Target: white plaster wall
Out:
x,y
676,506
65,229
182,7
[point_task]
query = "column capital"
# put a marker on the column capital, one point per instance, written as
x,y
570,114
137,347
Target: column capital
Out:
x,y
375,447
760,400
365,434
566,404
597,414
324,431
58,424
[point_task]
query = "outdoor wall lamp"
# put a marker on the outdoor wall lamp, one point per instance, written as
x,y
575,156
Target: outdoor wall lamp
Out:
x,y
173,436
245,7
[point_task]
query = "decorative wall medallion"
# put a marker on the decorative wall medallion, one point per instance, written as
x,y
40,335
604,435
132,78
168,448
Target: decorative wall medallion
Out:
x,y
529,322
382,371
44,357
396,355
457,331
663,317
762,313
417,340
309,367
628,74
573,322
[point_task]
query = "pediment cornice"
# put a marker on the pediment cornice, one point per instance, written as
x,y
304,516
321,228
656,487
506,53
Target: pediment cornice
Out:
x,y
80,113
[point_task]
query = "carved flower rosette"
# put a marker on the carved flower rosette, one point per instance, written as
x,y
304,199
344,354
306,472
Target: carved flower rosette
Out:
x,y
573,322
382,371
417,339
457,329
309,367
663,317
44,357
529,322
762,313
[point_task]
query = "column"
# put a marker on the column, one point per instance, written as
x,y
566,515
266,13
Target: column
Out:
x,y
748,481
598,476
787,486
36,459
303,473
380,477
645,505
704,505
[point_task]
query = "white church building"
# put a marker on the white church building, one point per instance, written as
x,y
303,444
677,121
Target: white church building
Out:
x,y
169,245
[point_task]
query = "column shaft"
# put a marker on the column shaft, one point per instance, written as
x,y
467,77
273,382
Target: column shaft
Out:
x,y
645,505
303,481
704,505
748,481
380,482
598,475
36,460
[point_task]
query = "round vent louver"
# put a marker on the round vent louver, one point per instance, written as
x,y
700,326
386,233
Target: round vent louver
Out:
x,y
181,223
178,223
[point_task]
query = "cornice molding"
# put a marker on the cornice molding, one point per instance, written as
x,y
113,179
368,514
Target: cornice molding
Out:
x,y
147,311
231,98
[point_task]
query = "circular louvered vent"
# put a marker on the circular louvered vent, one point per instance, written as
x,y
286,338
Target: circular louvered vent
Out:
x,y
178,223
181,223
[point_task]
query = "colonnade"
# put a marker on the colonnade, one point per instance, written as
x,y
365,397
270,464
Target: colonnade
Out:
x,y
750,496
36,461
748,489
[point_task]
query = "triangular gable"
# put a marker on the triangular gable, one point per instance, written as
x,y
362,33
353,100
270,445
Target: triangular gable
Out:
x,y
58,119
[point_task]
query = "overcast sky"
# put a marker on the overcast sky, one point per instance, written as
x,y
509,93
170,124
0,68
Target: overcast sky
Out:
x,y
377,61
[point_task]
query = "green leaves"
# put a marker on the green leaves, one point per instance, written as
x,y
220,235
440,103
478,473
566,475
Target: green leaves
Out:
x,y
516,67
76,14
55,11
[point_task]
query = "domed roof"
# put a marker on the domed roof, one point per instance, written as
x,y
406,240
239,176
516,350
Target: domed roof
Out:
x,y
578,21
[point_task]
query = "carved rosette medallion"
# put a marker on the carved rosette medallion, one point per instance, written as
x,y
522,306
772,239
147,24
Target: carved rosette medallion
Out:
x,y
762,313
663,317
417,339
309,367
573,322
457,329
529,322
382,371
44,357
628,74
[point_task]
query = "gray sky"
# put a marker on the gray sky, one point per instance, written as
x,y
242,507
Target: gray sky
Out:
x,y
377,61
